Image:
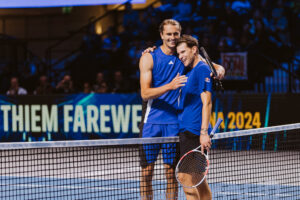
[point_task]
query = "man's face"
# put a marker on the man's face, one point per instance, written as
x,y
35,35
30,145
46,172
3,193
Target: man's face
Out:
x,y
14,82
99,77
186,54
170,35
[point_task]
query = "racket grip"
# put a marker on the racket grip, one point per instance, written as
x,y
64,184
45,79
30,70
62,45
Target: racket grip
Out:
x,y
219,121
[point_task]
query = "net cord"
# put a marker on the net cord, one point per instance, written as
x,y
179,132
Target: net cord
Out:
x,y
135,141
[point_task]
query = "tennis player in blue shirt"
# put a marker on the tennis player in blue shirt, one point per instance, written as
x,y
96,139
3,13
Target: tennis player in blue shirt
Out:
x,y
195,104
160,79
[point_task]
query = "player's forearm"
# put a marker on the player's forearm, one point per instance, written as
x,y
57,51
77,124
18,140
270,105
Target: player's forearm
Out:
x,y
220,70
153,93
206,112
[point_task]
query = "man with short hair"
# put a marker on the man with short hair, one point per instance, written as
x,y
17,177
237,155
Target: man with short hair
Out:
x,y
15,89
160,80
195,105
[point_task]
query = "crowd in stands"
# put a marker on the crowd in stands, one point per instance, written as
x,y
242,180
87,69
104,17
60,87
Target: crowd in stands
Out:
x,y
265,29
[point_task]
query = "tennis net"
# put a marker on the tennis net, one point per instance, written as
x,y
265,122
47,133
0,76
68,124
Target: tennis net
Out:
x,y
250,164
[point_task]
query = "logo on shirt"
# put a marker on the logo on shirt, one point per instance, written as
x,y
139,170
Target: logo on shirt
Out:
x,y
171,63
207,80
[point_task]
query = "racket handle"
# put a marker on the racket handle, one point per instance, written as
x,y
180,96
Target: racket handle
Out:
x,y
219,121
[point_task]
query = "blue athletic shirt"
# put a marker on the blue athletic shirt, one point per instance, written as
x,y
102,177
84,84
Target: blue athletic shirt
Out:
x,y
190,103
164,109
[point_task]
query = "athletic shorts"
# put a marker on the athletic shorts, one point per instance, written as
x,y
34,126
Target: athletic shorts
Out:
x,y
188,141
149,152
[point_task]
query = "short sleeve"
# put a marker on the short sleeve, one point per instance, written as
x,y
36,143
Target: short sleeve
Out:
x,y
205,80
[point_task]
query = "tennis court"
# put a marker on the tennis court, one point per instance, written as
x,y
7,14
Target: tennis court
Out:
x,y
257,164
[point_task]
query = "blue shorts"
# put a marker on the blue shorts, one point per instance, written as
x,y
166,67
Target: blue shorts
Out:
x,y
170,151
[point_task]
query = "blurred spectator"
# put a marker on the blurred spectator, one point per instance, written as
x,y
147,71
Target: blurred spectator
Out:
x,y
65,86
279,25
241,6
229,18
120,85
44,87
166,10
91,41
183,11
112,42
131,21
99,80
103,88
257,16
112,47
87,89
15,89
149,23
245,42
134,53
230,40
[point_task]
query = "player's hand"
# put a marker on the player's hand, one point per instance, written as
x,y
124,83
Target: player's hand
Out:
x,y
205,142
149,50
178,82
220,73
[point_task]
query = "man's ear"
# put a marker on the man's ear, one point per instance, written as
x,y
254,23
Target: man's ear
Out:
x,y
194,49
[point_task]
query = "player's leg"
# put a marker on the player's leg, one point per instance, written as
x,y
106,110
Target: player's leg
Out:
x,y
170,153
148,156
146,182
189,141
172,185
204,191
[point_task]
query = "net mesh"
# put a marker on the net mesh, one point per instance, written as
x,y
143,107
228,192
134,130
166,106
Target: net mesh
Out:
x,y
252,164
192,169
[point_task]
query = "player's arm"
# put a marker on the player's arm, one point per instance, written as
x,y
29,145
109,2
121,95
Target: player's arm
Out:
x,y
206,112
219,68
220,71
147,92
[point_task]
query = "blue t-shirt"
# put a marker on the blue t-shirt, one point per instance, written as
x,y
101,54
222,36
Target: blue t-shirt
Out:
x,y
190,103
164,109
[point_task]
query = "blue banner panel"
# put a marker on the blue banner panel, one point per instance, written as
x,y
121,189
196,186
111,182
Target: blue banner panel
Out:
x,y
102,116
69,117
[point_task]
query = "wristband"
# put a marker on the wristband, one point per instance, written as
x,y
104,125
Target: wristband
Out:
x,y
204,131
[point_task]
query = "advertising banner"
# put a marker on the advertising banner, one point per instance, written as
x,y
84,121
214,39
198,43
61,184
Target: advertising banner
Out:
x,y
235,65
103,116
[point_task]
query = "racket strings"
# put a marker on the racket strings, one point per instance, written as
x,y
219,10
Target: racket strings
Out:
x,y
192,169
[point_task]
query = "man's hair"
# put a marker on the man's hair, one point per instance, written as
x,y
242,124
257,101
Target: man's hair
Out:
x,y
189,40
171,22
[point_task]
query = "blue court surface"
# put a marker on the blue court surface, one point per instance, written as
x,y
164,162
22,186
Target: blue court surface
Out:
x,y
77,188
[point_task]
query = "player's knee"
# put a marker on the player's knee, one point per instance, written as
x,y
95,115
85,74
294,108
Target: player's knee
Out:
x,y
191,194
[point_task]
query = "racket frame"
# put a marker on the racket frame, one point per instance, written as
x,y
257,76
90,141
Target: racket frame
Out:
x,y
218,123
196,150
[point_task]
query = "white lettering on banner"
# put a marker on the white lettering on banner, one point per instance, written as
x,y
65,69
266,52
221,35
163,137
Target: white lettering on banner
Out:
x,y
27,118
5,109
49,123
67,118
136,119
17,118
35,118
104,118
120,118
79,121
92,117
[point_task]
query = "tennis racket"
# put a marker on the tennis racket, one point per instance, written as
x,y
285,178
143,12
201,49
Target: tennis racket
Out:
x,y
217,83
193,166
